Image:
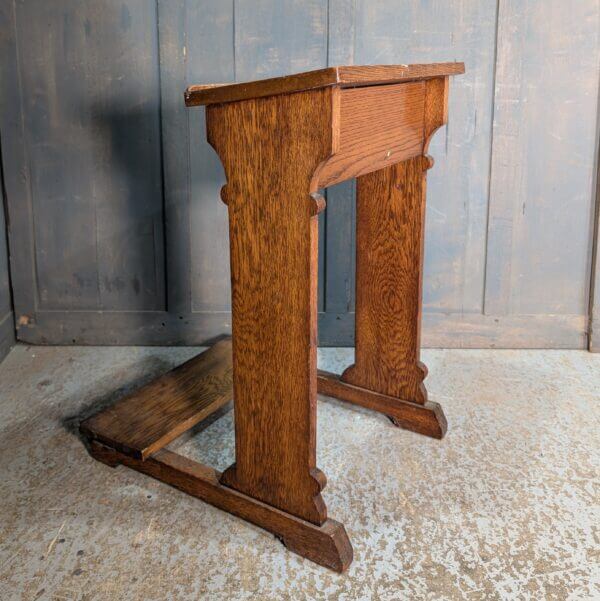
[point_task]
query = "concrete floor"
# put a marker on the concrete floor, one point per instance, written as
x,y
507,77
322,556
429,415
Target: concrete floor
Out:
x,y
505,507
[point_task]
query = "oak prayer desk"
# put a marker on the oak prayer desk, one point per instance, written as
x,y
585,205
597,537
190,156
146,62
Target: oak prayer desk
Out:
x,y
281,141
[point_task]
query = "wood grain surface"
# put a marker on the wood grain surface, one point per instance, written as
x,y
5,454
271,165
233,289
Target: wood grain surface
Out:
x,y
378,126
427,419
435,109
390,214
270,149
151,417
326,544
345,76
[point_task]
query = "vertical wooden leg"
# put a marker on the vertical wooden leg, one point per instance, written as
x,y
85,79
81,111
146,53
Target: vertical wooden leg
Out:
x,y
270,149
390,206
390,215
273,266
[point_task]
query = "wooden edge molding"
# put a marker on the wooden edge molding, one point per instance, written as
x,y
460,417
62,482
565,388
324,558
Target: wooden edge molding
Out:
x,y
327,545
344,76
427,419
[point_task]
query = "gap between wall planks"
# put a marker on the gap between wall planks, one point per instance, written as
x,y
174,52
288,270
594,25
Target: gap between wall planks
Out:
x,y
594,326
7,323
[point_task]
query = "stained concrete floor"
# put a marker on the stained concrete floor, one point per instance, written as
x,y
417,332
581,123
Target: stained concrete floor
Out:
x,y
505,507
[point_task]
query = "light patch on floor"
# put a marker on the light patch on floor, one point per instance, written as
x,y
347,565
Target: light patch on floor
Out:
x,y
505,507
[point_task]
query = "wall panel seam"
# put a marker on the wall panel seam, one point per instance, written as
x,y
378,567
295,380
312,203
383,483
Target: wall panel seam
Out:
x,y
491,160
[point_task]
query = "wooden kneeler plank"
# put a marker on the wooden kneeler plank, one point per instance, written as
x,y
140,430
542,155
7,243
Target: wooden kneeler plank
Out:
x,y
328,544
157,413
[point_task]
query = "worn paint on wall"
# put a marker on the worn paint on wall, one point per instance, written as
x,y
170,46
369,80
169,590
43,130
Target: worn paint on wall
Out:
x,y
458,184
541,214
122,237
90,105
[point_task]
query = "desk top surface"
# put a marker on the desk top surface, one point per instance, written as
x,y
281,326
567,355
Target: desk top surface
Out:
x,y
345,77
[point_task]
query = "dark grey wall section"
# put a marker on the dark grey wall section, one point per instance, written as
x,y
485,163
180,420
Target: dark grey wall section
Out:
x,y
210,57
7,324
83,162
118,235
92,133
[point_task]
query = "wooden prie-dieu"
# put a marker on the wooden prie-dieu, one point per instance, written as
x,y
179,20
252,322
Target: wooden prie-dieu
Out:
x,y
281,141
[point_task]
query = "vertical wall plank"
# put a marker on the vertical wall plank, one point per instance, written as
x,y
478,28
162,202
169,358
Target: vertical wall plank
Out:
x,y
415,31
7,120
340,259
15,169
129,227
594,326
337,250
7,324
321,263
175,131
341,32
209,59
5,301
61,174
278,37
541,203
340,231
91,125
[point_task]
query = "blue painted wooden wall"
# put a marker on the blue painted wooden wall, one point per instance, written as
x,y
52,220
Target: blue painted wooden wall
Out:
x,y
117,234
